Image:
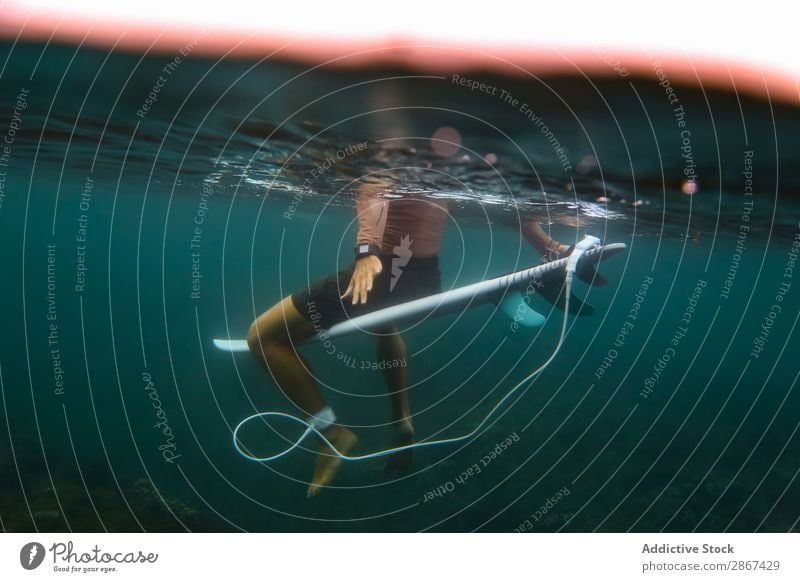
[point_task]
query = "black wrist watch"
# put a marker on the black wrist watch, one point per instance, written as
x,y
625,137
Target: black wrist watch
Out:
x,y
366,249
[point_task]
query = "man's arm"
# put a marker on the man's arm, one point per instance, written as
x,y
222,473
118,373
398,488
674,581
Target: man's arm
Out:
x,y
549,248
372,212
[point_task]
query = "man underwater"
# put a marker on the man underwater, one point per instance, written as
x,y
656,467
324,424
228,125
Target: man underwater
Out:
x,y
396,260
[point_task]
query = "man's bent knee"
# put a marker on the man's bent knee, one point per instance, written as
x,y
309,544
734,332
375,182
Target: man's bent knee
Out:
x,y
262,345
255,342
281,325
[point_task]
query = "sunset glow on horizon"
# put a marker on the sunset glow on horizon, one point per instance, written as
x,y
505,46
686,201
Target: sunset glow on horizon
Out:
x,y
752,51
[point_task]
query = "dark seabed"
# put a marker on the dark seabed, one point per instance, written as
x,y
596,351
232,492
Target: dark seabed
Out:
x,y
134,230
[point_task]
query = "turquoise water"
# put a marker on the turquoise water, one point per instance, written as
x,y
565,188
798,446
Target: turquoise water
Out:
x,y
133,236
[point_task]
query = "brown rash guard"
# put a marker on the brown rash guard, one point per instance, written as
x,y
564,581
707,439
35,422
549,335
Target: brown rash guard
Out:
x,y
387,222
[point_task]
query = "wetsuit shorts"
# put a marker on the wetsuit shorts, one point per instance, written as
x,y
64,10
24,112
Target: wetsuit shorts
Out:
x,y
420,277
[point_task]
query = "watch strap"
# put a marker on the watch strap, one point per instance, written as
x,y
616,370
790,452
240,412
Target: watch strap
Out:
x,y
366,249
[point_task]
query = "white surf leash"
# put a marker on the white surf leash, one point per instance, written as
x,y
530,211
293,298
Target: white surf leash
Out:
x,y
325,418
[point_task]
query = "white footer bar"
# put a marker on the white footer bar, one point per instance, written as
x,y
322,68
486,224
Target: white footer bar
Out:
x,y
400,557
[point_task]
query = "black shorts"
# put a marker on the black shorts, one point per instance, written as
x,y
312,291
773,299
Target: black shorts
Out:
x,y
419,278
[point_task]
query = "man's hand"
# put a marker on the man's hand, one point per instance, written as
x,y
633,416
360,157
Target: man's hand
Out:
x,y
556,250
367,268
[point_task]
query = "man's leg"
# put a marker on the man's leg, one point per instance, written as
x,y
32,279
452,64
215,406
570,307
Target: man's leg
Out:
x,y
392,348
389,348
272,338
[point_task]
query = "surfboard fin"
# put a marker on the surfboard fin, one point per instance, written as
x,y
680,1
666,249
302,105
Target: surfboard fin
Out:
x,y
514,306
588,273
551,287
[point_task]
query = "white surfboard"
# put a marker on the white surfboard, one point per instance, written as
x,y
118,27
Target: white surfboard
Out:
x,y
504,290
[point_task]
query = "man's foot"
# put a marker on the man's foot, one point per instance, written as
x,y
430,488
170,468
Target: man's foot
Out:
x,y
327,462
400,462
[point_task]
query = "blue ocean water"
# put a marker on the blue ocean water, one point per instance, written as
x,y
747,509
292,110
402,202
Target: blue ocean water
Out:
x,y
149,205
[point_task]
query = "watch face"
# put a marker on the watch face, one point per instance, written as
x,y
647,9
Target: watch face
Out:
x,y
364,249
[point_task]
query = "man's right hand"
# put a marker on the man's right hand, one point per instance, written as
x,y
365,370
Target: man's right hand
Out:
x,y
367,268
